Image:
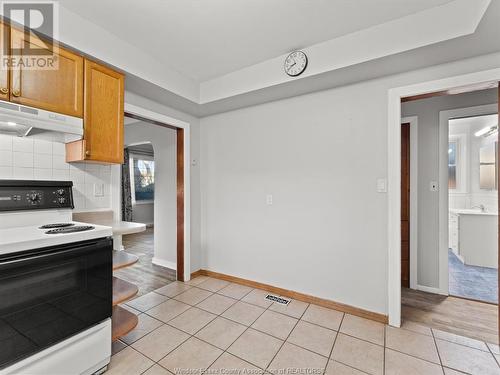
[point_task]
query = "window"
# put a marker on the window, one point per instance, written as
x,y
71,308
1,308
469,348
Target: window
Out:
x,y
452,165
142,178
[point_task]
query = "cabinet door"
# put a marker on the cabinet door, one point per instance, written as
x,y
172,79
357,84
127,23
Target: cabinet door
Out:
x,y
4,49
58,90
103,115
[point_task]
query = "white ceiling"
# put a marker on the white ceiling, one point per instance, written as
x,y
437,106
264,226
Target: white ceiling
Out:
x,y
203,39
475,123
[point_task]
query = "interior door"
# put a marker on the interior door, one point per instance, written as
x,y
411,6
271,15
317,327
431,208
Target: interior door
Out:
x,y
4,52
405,205
58,90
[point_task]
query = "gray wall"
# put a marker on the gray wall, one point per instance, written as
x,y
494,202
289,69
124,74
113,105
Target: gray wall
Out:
x,y
320,155
427,111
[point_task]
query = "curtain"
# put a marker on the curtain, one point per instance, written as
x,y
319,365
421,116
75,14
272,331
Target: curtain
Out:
x,y
126,188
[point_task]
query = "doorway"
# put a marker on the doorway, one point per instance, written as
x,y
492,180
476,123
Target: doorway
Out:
x,y
140,191
154,178
181,225
472,263
431,185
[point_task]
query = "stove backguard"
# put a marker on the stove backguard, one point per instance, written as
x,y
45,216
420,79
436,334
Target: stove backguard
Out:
x,y
17,195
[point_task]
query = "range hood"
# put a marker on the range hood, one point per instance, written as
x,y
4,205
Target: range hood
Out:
x,y
23,121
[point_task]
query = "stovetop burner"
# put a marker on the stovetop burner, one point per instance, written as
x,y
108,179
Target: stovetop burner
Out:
x,y
72,229
56,225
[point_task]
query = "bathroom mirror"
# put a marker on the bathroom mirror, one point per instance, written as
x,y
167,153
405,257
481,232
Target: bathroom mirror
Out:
x,y
488,167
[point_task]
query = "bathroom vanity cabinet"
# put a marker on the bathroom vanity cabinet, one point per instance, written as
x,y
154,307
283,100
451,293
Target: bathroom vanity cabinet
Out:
x,y
473,237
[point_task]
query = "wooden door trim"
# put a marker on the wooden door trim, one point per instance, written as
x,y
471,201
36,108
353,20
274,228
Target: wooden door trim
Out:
x,y
180,203
453,91
413,121
405,203
181,188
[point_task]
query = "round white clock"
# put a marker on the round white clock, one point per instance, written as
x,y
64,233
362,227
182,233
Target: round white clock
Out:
x,y
295,63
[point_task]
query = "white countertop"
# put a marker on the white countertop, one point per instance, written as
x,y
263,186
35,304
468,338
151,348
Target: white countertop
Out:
x,y
31,237
124,227
468,211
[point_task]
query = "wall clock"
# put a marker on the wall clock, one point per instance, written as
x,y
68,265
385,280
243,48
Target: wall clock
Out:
x,y
295,63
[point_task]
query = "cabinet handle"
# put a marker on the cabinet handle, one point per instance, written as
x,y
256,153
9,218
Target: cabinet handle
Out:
x,y
4,90
16,93
87,153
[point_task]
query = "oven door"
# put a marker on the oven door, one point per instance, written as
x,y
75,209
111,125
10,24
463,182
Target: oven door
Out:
x,y
50,294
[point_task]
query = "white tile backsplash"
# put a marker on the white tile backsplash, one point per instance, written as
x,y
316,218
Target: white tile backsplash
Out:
x,y
58,148
42,147
60,174
6,158
22,144
43,161
5,142
28,158
22,173
59,162
22,159
6,172
42,174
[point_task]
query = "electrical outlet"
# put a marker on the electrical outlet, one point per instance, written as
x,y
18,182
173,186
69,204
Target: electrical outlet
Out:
x,y
98,190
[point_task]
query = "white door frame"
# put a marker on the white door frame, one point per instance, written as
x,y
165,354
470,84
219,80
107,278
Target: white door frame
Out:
x,y
158,117
444,117
394,172
413,121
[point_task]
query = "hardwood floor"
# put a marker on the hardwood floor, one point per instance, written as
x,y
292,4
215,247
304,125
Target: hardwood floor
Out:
x,y
144,273
456,315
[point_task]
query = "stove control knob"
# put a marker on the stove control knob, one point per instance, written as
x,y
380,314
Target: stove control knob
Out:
x,y
34,198
60,192
61,200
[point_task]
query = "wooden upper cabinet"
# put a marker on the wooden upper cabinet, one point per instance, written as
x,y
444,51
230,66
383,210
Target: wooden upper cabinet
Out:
x,y
58,90
4,52
103,115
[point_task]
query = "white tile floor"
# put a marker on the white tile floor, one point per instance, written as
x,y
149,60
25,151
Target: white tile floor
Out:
x,y
214,327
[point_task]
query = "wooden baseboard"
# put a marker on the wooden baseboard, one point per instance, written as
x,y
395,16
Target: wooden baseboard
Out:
x,y
297,295
197,273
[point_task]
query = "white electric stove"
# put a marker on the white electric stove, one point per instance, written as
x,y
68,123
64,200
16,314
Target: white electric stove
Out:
x,y
55,283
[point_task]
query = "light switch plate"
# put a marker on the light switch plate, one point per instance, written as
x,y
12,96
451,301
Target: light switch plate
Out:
x,y
269,199
98,190
382,185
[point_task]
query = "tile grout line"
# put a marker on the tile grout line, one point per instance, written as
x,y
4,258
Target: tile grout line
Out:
x,y
357,338
493,354
437,350
193,335
250,326
385,349
334,342
246,329
285,340
287,337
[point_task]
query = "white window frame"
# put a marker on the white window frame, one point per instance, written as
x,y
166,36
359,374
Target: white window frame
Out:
x,y
460,163
133,156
